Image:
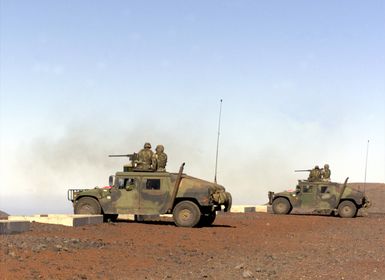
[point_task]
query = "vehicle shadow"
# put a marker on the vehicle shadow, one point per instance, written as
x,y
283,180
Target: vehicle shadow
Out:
x,y
169,223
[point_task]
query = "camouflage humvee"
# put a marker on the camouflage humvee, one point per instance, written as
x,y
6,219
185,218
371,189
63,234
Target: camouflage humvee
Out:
x,y
190,200
319,198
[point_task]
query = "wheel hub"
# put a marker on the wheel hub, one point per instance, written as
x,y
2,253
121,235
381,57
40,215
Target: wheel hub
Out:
x,y
86,209
185,215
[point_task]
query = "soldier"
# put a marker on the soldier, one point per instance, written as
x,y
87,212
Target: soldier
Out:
x,y
145,157
159,159
315,174
325,173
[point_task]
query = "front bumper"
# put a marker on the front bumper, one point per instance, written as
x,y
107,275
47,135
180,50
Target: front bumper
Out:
x,y
223,198
228,203
72,193
366,203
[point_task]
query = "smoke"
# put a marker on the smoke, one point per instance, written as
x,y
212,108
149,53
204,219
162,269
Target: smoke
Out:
x,y
37,172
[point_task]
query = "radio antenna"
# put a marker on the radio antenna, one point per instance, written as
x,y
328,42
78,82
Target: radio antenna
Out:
x,y
219,133
366,163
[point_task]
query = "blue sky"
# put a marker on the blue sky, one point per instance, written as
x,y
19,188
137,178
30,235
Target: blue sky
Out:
x,y
303,83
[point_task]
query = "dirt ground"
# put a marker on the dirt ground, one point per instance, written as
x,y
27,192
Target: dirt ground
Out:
x,y
237,246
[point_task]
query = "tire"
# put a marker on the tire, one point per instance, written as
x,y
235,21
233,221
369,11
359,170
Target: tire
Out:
x,y
347,209
87,205
281,206
207,220
186,214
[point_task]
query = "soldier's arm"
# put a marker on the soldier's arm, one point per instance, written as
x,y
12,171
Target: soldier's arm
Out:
x,y
154,162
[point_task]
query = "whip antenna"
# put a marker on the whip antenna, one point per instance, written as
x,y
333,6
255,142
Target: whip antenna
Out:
x,y
219,133
366,164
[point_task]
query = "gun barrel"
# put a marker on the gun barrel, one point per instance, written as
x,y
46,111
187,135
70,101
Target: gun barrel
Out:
x,y
303,170
118,155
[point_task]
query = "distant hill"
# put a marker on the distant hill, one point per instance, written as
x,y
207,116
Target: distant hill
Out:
x,y
3,215
376,194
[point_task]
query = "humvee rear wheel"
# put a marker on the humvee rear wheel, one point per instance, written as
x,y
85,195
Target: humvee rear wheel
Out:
x,y
347,209
281,206
87,205
207,219
186,214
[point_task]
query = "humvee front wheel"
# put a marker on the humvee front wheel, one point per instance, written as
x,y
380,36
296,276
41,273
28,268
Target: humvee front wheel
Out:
x,y
347,209
87,205
281,206
186,214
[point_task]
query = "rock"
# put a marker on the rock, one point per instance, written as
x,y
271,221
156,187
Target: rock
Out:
x,y
239,266
247,274
12,254
58,247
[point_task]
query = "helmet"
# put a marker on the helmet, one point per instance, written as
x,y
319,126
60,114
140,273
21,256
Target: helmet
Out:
x,y
316,167
326,166
159,148
147,145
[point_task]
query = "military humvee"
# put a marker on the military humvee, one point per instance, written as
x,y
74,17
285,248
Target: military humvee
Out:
x,y
319,198
190,200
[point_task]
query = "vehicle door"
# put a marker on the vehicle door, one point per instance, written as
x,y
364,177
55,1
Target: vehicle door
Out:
x,y
326,197
154,195
308,197
126,196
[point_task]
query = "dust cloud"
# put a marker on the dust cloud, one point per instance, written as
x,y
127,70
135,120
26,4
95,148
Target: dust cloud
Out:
x,y
36,175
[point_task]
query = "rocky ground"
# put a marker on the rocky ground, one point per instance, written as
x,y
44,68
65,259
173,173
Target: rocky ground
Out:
x,y
237,246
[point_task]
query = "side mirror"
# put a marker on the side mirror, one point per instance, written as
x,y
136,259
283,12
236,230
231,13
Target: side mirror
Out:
x,y
111,180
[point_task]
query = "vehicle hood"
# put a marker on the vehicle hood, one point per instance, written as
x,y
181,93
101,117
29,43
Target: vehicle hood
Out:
x,y
199,183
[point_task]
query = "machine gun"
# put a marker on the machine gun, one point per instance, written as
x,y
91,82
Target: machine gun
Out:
x,y
131,157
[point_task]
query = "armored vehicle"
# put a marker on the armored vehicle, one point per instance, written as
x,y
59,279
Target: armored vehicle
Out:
x,y
319,197
190,200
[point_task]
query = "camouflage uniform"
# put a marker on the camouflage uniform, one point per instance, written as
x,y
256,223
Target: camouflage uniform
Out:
x,y
145,158
325,173
159,159
315,174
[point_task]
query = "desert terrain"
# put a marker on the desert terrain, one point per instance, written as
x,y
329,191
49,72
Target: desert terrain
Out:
x,y
237,246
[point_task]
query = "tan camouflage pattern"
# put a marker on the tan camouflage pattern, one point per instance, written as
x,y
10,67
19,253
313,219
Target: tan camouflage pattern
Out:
x,y
315,174
159,159
326,173
144,161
